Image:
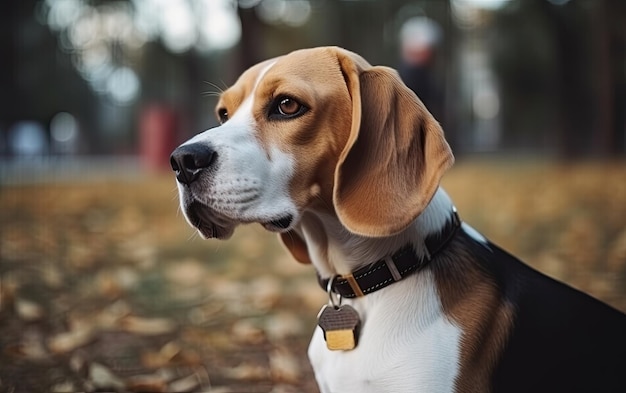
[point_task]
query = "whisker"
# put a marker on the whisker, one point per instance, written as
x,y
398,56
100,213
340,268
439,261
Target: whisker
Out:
x,y
217,93
219,89
193,236
211,94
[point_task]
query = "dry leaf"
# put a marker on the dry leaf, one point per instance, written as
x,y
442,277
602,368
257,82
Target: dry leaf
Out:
x,y
31,346
147,383
284,366
147,326
103,378
64,387
245,331
265,292
188,272
169,350
28,310
283,325
68,341
78,361
186,384
110,316
247,371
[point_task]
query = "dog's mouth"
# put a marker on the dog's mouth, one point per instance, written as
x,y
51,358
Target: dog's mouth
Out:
x,y
281,224
208,222
212,224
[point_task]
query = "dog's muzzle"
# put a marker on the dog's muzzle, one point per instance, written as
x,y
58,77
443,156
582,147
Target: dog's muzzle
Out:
x,y
188,162
195,165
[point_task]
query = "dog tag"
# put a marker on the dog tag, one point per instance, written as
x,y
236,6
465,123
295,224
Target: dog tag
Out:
x,y
341,327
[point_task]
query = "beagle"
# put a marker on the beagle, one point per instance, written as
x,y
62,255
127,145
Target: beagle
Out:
x,y
344,162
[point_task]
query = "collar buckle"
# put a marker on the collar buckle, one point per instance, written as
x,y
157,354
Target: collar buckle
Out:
x,y
393,269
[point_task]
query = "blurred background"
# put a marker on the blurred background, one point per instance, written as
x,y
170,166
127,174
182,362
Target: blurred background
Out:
x,y
106,78
104,286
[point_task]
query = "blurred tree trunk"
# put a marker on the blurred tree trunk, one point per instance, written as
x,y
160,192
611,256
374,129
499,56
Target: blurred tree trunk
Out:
x,y
591,56
569,87
573,68
615,14
9,94
251,44
608,51
602,126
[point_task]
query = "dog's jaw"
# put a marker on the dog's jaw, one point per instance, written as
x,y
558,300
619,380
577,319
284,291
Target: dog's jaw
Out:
x,y
208,223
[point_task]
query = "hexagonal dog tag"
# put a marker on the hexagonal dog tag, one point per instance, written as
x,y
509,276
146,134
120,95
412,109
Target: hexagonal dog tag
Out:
x,y
341,327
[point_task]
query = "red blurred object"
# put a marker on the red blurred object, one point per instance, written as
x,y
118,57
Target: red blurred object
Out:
x,y
158,127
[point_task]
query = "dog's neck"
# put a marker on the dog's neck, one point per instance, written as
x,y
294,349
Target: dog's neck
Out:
x,y
334,250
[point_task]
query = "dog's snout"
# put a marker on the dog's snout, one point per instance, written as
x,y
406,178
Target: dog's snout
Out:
x,y
188,161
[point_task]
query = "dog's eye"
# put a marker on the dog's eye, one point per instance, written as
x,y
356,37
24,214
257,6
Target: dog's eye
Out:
x,y
222,114
286,108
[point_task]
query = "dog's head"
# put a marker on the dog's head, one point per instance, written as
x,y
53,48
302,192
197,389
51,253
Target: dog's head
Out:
x,y
317,129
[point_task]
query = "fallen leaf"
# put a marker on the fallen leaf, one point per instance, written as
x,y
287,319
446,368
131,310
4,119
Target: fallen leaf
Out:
x,y
245,331
265,292
68,341
147,383
284,366
64,387
185,384
283,325
111,315
30,347
103,378
146,326
187,272
78,361
247,371
169,350
28,310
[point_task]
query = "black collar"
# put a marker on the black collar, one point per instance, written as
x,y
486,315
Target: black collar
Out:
x,y
394,268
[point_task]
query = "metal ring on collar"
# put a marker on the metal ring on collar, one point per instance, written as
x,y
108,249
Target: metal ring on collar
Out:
x,y
333,299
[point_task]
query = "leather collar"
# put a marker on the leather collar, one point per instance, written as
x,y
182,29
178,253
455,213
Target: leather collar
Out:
x,y
393,268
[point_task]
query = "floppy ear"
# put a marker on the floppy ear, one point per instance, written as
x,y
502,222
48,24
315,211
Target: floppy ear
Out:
x,y
395,156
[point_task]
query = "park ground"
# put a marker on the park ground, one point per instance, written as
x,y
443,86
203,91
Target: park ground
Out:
x,y
104,287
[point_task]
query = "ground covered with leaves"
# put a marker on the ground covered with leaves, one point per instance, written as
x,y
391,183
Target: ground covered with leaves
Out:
x,y
103,286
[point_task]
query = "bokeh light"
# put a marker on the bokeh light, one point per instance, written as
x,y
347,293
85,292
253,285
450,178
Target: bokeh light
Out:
x,y
28,139
104,40
64,133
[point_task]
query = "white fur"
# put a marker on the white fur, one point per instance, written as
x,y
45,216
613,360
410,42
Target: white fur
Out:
x,y
407,344
474,234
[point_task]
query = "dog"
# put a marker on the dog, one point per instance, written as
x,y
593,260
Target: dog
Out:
x,y
344,162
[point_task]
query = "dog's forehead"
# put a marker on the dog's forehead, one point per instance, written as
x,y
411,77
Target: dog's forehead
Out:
x,y
319,70
234,95
307,61
317,66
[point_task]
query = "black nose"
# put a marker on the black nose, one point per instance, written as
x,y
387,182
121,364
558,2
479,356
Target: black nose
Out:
x,y
189,160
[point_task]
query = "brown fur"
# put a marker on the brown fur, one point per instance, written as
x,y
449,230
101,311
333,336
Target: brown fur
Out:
x,y
372,155
471,299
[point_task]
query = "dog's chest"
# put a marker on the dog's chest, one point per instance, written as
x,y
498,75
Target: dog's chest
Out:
x,y
406,344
